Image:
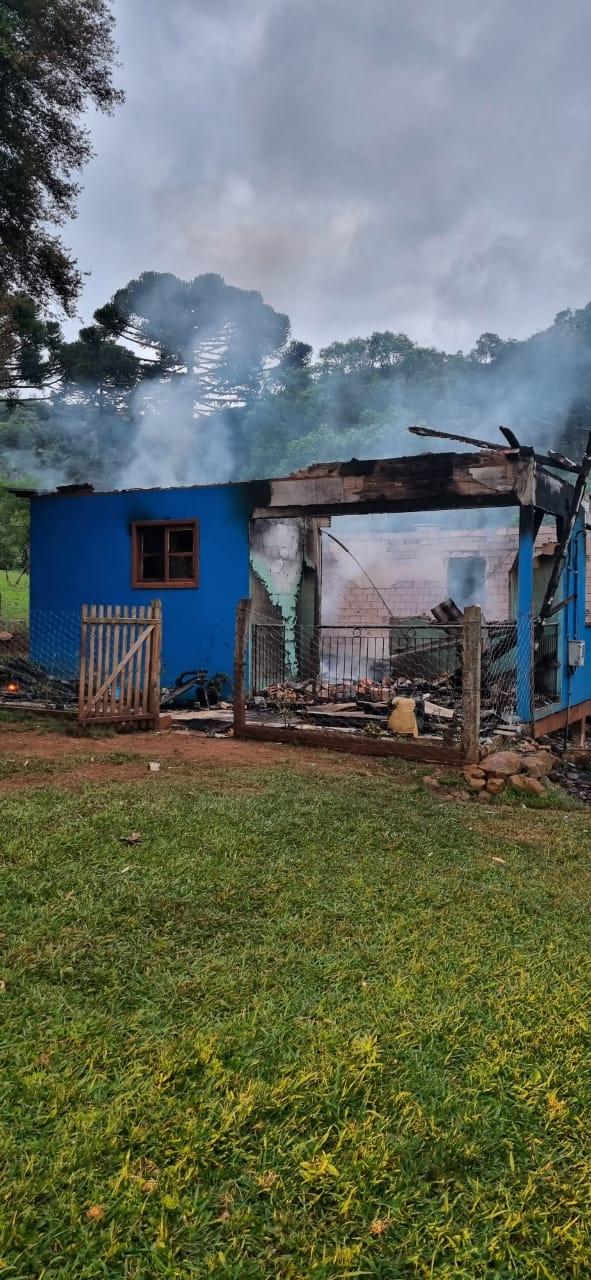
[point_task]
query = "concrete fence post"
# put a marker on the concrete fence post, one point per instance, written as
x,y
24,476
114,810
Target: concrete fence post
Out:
x,y
471,675
240,645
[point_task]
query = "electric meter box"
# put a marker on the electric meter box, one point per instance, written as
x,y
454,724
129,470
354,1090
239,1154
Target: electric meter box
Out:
x,y
576,654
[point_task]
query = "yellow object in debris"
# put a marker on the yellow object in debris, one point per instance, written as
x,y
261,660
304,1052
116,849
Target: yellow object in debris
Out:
x,y
402,718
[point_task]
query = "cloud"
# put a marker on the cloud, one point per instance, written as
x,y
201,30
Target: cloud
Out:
x,y
366,165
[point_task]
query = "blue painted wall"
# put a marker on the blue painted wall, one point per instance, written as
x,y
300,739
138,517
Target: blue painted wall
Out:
x,y
573,686
576,686
81,554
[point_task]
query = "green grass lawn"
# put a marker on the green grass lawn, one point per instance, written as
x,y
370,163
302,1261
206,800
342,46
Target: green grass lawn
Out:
x,y
311,1026
14,595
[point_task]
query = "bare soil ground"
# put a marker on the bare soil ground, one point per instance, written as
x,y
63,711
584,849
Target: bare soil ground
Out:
x,y
70,760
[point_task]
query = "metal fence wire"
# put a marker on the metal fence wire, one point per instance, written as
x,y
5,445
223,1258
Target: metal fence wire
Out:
x,y
39,659
510,686
354,673
498,688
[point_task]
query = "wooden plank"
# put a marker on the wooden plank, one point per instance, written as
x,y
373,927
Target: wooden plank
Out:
x,y
558,719
137,717
560,555
99,659
152,703
580,732
136,697
240,641
429,752
126,640
82,671
91,659
38,710
107,639
471,676
115,657
108,619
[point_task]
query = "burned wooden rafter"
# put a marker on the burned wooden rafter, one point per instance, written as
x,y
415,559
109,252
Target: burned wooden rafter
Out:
x,y
432,433
577,496
549,459
420,482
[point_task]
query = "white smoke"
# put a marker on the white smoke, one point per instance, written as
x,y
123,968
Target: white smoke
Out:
x,y
173,445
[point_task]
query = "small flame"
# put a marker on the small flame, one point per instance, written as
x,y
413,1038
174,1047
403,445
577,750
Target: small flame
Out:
x,y
12,687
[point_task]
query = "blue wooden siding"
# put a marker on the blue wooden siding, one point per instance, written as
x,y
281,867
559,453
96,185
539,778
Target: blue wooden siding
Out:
x,y
81,554
573,686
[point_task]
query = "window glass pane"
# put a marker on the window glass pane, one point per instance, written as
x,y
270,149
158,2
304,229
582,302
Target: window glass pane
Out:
x,y
181,540
152,568
180,567
152,538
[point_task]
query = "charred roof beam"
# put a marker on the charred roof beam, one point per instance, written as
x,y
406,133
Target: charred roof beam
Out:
x,y
421,482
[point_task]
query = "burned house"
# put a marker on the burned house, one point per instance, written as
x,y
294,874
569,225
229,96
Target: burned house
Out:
x,y
202,549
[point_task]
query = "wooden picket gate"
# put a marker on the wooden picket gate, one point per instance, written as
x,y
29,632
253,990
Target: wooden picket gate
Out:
x,y
120,664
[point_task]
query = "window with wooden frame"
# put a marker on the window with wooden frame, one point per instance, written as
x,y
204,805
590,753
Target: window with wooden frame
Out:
x,y
165,553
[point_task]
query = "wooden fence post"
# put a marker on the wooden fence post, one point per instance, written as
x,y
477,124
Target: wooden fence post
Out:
x,y
471,673
82,667
240,641
155,651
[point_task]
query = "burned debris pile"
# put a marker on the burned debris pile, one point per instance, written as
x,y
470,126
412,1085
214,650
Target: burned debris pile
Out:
x,y
406,680
353,704
27,683
23,681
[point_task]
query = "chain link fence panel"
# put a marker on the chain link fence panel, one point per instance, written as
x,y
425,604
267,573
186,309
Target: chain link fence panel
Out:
x,y
39,660
351,676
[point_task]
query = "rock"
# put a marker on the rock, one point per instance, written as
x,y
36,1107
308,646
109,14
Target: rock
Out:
x,y
402,718
538,765
495,785
5,636
484,797
476,784
472,771
531,786
430,781
503,763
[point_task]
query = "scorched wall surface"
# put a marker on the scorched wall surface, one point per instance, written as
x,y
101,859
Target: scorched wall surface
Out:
x,y
81,553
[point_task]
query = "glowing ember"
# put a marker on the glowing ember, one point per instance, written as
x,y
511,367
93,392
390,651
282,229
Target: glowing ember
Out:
x,y
12,687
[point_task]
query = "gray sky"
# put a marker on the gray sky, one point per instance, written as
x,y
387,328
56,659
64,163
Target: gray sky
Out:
x,y
421,165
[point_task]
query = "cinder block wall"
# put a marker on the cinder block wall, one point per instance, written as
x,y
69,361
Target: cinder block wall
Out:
x,y
411,571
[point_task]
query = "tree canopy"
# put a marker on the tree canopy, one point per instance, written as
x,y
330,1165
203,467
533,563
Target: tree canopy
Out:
x,y
55,60
196,381
217,336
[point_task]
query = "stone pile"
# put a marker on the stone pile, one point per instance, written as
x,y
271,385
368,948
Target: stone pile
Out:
x,y
526,770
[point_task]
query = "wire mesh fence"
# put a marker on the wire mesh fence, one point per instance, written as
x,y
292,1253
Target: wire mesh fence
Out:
x,y
499,680
514,684
39,659
40,662
352,676
349,676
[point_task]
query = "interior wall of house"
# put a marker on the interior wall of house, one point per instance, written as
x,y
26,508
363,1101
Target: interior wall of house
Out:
x,y
415,568
419,563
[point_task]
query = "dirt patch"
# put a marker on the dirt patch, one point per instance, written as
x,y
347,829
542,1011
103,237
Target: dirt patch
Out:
x,y
73,776
77,760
